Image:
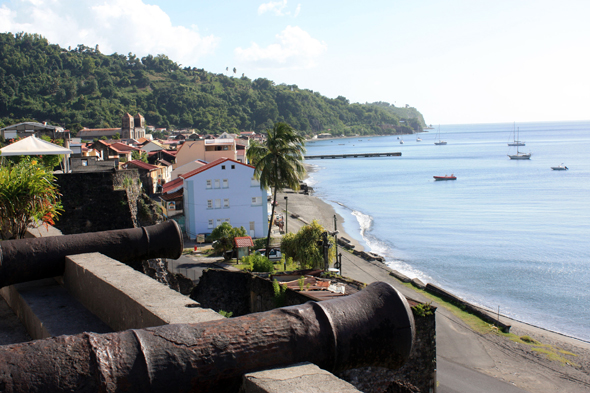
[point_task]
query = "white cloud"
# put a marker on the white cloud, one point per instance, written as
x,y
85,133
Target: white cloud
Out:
x,y
278,7
115,25
294,49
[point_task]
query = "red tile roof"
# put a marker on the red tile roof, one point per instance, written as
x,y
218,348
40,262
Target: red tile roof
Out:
x,y
118,146
245,241
172,185
211,165
173,195
142,165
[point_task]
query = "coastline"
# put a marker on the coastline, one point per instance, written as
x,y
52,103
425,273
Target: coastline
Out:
x,y
510,361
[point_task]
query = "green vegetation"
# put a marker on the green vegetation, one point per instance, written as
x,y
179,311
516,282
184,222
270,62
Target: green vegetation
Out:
x,y
280,296
258,263
278,163
223,238
303,246
422,309
227,314
80,87
28,194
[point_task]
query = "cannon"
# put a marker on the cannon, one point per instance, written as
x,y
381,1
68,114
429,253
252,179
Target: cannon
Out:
x,y
44,257
373,327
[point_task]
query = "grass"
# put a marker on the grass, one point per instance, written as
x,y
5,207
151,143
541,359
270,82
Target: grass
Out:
x,y
552,353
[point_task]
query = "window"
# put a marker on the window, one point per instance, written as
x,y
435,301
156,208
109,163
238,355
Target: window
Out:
x,y
223,167
225,183
233,167
226,220
226,203
209,185
209,204
253,201
218,203
252,225
218,222
216,183
256,201
254,182
210,225
84,162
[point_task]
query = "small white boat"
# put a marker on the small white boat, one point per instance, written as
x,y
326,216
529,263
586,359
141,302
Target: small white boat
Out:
x,y
519,155
516,134
440,141
560,168
401,142
418,139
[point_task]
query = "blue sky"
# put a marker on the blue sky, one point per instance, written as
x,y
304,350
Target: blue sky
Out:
x,y
456,61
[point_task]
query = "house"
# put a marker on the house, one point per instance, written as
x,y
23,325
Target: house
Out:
x,y
222,191
152,146
207,150
26,129
187,168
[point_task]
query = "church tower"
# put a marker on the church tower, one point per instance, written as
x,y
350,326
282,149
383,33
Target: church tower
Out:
x,y
128,127
139,121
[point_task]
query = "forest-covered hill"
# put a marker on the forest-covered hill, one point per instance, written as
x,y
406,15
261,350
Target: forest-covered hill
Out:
x,y
82,87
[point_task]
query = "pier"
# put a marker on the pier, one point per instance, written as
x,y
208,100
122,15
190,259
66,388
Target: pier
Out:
x,y
354,155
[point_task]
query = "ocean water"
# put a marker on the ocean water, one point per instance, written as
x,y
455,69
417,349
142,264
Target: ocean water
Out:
x,y
507,233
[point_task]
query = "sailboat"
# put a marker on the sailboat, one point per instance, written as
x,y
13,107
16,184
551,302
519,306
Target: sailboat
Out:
x,y
440,142
519,155
515,134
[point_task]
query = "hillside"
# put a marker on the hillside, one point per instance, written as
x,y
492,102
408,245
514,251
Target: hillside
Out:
x,y
82,87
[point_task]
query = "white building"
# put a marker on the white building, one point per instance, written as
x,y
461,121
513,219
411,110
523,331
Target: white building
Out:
x,y
224,191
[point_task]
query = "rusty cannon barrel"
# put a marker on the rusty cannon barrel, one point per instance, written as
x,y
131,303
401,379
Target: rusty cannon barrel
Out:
x,y
32,259
374,327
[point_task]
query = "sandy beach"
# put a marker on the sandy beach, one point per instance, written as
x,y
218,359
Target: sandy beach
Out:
x,y
458,346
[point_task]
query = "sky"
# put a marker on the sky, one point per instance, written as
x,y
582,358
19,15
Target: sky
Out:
x,y
456,61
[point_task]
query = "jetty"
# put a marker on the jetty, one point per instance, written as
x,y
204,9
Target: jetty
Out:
x,y
353,155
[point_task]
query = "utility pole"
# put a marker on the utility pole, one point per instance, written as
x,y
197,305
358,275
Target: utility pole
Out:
x,y
336,237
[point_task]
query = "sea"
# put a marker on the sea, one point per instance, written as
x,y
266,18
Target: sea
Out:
x,y
509,235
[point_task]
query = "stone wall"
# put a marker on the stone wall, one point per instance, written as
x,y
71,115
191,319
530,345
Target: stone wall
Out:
x,y
419,372
102,201
240,293
92,204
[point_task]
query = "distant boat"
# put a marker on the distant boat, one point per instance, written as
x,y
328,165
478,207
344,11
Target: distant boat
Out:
x,y
440,141
515,135
519,155
401,142
418,139
398,137
560,168
445,177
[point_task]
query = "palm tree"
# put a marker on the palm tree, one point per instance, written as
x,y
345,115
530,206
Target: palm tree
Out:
x,y
278,163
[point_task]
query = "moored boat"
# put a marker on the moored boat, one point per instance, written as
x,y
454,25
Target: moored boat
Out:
x,y
445,177
560,168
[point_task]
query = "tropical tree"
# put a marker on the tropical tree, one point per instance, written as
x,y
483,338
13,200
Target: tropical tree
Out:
x,y
304,246
28,194
223,236
278,163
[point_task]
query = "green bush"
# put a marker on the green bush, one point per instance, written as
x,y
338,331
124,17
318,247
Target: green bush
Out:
x,y
259,263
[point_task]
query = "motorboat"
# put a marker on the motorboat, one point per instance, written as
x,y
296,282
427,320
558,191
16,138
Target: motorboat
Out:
x,y
401,141
560,168
418,139
445,177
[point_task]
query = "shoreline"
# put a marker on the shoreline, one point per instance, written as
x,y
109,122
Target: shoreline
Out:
x,y
491,354
323,205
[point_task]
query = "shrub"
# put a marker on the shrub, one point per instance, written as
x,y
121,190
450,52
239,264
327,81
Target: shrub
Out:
x,y
259,263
